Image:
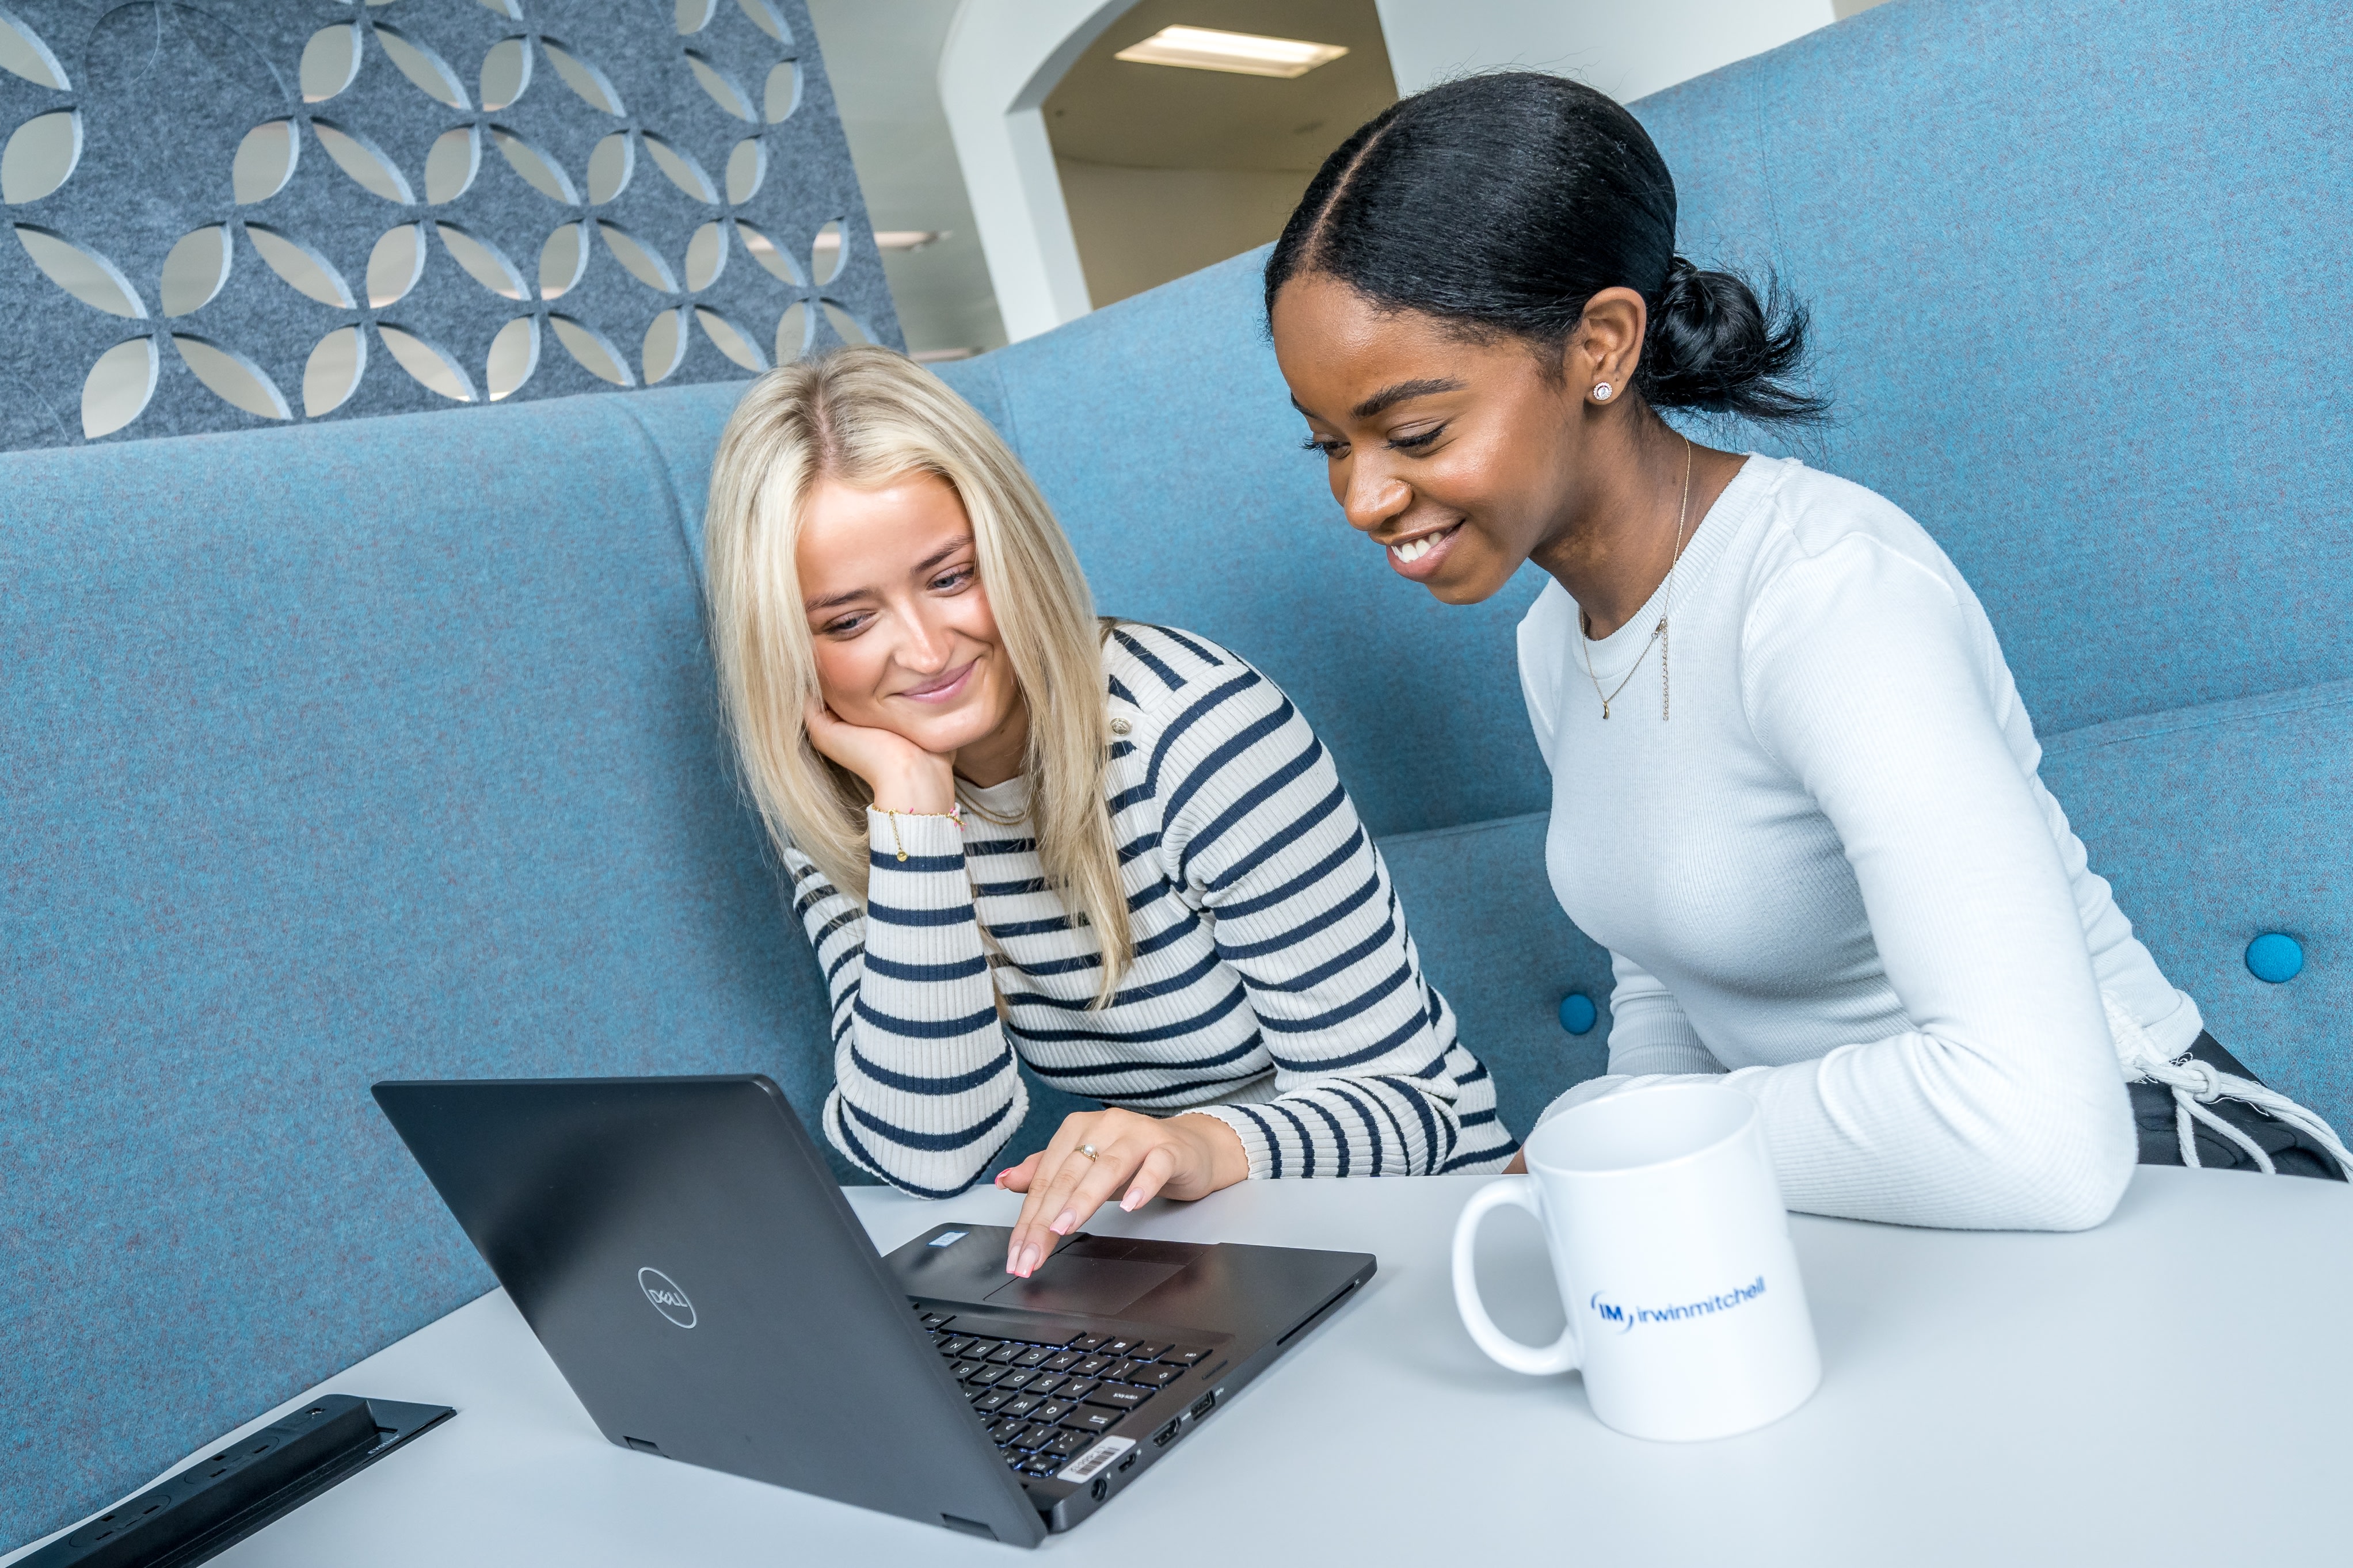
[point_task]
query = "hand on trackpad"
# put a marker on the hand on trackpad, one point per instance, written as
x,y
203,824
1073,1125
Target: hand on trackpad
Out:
x,y
1073,1282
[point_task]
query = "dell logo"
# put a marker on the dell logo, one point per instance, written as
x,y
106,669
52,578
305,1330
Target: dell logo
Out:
x,y
668,1299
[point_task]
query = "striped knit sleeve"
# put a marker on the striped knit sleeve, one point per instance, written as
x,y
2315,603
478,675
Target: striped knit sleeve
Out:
x,y
1256,827
925,1089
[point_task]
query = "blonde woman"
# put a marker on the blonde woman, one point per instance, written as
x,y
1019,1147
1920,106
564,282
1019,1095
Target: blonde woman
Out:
x,y
1114,851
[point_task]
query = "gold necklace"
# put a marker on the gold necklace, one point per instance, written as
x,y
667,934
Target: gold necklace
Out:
x,y
986,815
1658,633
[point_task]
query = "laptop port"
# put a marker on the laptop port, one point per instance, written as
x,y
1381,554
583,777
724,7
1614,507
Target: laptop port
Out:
x,y
1204,1404
1167,1435
1100,1487
1129,1463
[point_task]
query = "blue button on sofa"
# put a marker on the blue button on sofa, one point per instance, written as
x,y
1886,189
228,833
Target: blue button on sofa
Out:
x,y
387,747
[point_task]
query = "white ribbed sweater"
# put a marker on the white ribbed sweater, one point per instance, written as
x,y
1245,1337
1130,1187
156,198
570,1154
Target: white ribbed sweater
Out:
x,y
1274,986
1834,874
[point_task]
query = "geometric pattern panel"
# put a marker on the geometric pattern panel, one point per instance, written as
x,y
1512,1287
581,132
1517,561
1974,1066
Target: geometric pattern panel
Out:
x,y
231,212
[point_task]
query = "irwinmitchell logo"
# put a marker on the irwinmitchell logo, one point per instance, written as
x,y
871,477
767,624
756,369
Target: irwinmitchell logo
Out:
x,y
1626,1317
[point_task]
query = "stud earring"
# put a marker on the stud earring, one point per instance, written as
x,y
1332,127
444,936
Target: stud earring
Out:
x,y
1602,393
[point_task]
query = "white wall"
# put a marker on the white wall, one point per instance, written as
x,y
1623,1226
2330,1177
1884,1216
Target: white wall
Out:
x,y
1001,58
883,56
1136,229
1625,47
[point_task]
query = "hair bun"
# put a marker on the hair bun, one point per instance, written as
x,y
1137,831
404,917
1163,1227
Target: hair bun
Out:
x,y
1680,272
1714,347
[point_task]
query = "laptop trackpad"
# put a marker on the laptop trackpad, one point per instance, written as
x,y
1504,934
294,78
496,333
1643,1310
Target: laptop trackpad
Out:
x,y
1070,1282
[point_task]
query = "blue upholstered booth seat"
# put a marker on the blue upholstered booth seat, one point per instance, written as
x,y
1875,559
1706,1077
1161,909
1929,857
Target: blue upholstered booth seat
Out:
x,y
2217,824
387,747
334,753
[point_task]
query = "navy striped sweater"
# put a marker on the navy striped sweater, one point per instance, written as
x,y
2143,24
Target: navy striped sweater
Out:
x,y
1273,986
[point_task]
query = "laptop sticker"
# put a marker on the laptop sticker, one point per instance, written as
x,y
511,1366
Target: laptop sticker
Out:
x,y
1095,1460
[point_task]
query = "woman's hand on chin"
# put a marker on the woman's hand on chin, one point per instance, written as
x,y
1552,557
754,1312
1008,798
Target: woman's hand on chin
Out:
x,y
1136,1157
902,775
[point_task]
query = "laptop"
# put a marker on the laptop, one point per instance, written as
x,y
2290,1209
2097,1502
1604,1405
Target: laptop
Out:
x,y
681,1248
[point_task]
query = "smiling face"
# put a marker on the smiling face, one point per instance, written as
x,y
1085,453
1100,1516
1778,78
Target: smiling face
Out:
x,y
899,624
1459,457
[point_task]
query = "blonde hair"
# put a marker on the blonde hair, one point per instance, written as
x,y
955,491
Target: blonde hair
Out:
x,y
864,417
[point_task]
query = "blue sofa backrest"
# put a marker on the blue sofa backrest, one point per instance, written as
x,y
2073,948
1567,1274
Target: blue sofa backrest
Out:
x,y
2073,267
377,750
388,749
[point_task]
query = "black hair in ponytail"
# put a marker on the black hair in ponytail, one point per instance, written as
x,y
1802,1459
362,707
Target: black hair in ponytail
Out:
x,y
1501,204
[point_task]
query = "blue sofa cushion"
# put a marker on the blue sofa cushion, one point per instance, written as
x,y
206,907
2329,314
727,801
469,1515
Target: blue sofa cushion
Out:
x,y
2215,824
2219,823
1493,939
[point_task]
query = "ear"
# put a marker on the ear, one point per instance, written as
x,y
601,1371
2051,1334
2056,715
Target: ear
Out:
x,y
1607,346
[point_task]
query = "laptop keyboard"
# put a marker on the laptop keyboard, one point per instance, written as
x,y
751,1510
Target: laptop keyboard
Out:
x,y
1045,1403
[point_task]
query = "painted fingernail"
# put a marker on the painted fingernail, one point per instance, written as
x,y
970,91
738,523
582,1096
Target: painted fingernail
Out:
x,y
1029,1260
1063,1222
1134,1201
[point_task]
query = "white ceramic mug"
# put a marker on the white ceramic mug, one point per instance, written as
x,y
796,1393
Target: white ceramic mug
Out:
x,y
1672,1250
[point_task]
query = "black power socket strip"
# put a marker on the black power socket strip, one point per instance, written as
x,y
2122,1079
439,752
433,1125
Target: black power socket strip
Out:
x,y
219,1501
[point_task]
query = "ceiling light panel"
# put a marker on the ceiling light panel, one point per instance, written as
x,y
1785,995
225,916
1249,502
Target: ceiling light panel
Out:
x,y
1246,54
885,238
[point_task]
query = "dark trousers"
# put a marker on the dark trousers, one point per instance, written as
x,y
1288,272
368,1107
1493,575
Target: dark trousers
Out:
x,y
2292,1152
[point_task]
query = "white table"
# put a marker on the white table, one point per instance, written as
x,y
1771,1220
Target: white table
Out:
x,y
2173,1387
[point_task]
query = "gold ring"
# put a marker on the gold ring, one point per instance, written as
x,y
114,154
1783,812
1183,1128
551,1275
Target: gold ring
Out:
x,y
1089,1150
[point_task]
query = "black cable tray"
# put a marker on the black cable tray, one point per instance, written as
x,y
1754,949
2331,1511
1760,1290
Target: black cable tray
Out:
x,y
262,1477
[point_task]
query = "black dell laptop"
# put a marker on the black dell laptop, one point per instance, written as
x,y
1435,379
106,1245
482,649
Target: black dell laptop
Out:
x,y
681,1249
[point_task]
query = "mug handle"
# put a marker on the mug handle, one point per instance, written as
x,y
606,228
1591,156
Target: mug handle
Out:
x,y
1564,1355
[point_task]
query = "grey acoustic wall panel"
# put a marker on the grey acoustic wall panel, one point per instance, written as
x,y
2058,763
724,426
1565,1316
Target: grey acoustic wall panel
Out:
x,y
234,211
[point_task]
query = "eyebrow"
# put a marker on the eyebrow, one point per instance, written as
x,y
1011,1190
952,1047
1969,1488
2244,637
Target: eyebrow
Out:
x,y
832,601
1396,392
1400,391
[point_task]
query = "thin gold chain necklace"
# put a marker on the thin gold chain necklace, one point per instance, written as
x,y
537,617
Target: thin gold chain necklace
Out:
x,y
986,815
1659,632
